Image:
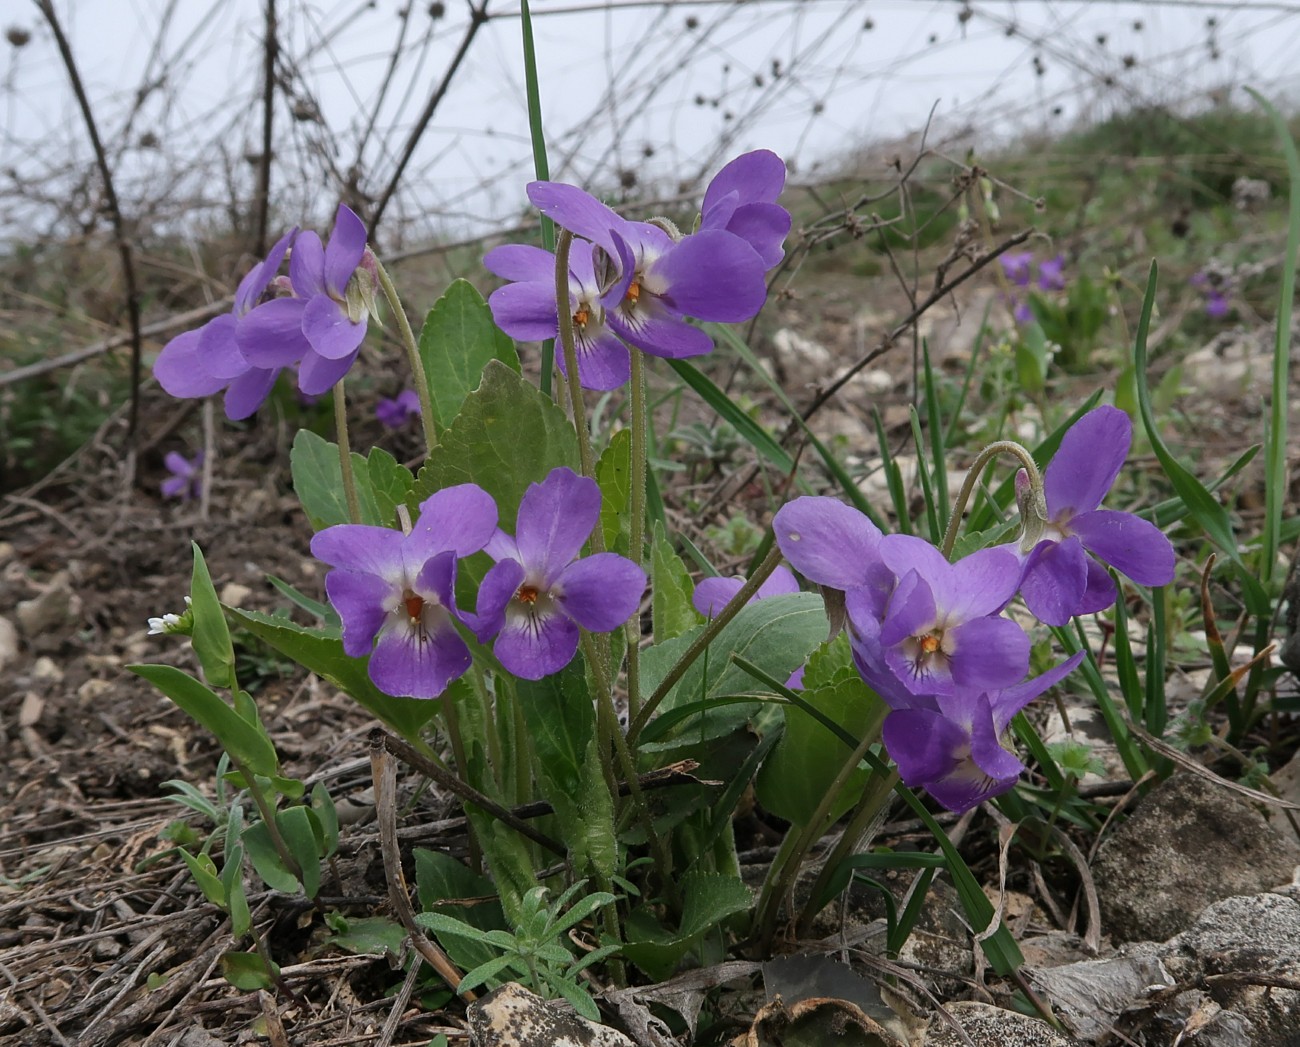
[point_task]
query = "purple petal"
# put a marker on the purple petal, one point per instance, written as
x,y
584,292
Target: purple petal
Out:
x,y
764,227
347,245
713,275
307,265
988,653
495,592
271,335
555,519
912,610
656,331
329,330
523,262
363,548
256,281
534,643
179,371
249,391
1101,591
755,177
713,594
1087,462
828,542
922,743
180,465
906,552
363,602
317,375
1128,543
436,581
1056,576
525,311
603,362
1010,700
460,518
175,487
414,663
600,592
579,212
219,348
502,546
986,748
982,583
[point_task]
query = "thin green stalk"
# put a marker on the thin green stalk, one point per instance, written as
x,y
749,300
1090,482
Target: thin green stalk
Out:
x,y
345,452
706,637
636,529
462,770
413,357
972,478
585,457
540,166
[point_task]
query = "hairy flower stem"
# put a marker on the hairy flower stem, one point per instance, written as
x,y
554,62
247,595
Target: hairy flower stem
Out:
x,y
345,452
776,888
863,826
413,356
1037,505
723,618
565,316
607,718
636,540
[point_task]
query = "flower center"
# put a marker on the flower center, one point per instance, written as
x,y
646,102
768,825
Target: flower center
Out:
x,y
581,317
634,292
414,605
527,594
929,643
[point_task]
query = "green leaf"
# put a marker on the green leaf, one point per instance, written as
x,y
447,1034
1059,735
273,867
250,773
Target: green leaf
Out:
x,y
266,860
323,654
246,742
315,608
457,341
211,637
204,871
328,818
507,436
485,972
391,483
808,757
232,882
614,475
366,935
707,900
671,610
318,481
1031,359
561,720
300,837
441,884
776,634
247,971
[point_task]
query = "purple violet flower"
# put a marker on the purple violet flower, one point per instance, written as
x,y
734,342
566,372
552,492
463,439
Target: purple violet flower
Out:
x,y
241,351
1022,311
1016,265
742,199
538,593
186,480
713,594
525,309
955,751
1051,274
655,282
395,413
1061,574
1216,304
336,284
395,592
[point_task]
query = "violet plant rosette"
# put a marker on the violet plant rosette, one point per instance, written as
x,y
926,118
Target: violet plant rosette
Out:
x,y
539,593
395,592
1062,575
242,351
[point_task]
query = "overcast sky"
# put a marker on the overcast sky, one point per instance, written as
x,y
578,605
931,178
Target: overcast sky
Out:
x,y
660,93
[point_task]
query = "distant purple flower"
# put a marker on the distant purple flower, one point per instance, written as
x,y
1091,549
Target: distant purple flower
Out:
x,y
186,480
954,751
334,306
713,594
395,592
1051,274
742,199
1022,311
538,593
1216,304
1061,575
654,283
241,351
525,309
394,414
1214,287
1016,265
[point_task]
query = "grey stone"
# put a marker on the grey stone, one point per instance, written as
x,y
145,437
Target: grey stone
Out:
x,y
511,1016
1189,844
1091,995
989,1026
8,643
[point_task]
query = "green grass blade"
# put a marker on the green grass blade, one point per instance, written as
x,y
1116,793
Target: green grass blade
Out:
x,y
893,477
541,167
757,437
938,444
932,518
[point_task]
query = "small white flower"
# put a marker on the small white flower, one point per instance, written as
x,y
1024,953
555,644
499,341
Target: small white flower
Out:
x,y
170,623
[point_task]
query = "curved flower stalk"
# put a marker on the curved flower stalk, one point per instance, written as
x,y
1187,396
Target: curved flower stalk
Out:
x,y
242,351
1063,574
395,592
538,593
